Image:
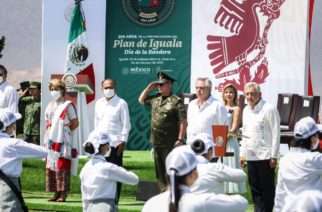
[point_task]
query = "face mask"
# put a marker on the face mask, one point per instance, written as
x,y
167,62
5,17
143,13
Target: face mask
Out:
x,y
108,93
55,94
1,79
316,145
107,154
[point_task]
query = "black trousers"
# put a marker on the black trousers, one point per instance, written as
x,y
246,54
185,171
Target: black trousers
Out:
x,y
118,160
261,181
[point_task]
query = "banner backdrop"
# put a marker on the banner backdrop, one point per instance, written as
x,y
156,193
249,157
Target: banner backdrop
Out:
x,y
144,37
227,40
236,41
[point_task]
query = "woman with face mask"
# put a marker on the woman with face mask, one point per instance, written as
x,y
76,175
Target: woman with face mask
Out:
x,y
60,140
98,177
301,168
12,151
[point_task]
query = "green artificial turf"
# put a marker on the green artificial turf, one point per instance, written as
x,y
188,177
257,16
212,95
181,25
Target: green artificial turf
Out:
x,y
33,184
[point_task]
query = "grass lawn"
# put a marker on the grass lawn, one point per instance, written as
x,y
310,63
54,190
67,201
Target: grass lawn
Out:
x,y
33,185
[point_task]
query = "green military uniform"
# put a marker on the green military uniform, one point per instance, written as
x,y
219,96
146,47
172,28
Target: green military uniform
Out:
x,y
31,126
166,114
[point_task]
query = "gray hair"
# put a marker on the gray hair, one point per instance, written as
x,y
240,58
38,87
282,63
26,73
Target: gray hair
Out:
x,y
252,85
207,81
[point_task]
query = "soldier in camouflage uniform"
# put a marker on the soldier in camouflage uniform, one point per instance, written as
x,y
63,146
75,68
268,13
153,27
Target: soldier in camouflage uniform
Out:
x,y
31,126
168,124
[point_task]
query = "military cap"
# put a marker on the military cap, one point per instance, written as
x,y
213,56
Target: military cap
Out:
x,y
35,84
24,85
163,78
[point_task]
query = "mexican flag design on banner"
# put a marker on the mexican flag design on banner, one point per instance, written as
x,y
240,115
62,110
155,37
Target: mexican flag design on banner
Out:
x,y
78,57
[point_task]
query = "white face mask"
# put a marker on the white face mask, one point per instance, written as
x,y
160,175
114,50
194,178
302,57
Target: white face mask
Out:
x,y
1,79
108,93
55,94
107,154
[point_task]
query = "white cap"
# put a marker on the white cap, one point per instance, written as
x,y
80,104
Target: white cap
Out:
x,y
98,138
7,117
305,128
182,160
206,139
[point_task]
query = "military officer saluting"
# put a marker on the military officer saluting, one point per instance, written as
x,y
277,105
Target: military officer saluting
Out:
x,y
168,122
31,125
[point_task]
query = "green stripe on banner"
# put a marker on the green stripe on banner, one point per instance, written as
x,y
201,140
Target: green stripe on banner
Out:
x,y
76,25
140,42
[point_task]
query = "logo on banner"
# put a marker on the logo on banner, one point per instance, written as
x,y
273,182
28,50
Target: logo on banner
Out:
x,y
243,53
148,12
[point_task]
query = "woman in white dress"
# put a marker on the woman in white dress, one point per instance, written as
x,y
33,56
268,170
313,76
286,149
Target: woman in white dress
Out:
x,y
61,142
234,117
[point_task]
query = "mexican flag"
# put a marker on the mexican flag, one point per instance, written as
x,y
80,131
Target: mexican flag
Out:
x,y
78,59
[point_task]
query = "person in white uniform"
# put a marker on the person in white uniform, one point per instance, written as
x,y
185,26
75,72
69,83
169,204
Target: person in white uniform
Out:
x,y
98,177
9,97
12,151
112,116
229,96
212,176
300,169
181,166
261,124
204,111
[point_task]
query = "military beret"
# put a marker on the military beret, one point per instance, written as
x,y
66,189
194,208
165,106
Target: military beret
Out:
x,y
163,78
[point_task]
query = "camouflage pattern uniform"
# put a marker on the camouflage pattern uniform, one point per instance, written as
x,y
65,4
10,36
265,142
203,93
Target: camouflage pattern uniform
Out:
x,y
31,127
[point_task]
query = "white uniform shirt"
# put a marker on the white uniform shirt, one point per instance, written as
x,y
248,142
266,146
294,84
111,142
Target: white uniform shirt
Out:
x,y
99,178
9,97
200,120
211,177
262,126
299,170
112,116
12,151
191,202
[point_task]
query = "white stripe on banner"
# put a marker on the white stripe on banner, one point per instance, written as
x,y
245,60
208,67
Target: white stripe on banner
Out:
x,y
249,42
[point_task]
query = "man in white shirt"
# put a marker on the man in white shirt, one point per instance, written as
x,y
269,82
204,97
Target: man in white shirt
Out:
x,y
204,111
261,124
112,116
9,97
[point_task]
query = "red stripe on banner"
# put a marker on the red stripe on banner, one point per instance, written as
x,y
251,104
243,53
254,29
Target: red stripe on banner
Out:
x,y
310,87
89,71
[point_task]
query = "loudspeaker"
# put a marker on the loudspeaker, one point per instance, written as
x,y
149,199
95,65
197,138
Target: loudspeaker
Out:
x,y
146,190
